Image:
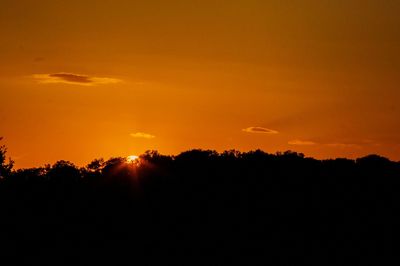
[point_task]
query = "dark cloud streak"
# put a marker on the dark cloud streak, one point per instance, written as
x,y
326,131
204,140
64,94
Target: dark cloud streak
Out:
x,y
72,77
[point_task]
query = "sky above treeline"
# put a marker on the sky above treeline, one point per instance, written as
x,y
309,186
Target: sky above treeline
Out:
x,y
86,79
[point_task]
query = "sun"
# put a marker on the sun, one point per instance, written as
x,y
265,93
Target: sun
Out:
x,y
132,158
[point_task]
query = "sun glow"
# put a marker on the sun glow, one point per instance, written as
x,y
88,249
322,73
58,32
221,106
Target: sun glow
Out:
x,y
132,158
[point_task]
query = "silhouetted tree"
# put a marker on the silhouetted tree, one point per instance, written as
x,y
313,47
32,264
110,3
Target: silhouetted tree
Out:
x,y
202,207
5,167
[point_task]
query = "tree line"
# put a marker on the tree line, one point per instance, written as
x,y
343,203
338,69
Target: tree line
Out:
x,y
201,207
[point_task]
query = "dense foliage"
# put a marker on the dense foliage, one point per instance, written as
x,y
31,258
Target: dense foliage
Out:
x,y
201,208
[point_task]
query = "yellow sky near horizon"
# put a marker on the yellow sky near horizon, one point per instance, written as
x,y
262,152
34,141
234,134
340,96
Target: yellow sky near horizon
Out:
x,y
86,79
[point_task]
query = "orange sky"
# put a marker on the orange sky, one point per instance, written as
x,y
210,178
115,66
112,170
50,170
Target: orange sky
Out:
x,y
86,79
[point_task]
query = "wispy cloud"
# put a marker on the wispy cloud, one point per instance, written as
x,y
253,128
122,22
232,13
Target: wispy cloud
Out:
x,y
354,144
343,145
142,135
261,130
301,142
70,78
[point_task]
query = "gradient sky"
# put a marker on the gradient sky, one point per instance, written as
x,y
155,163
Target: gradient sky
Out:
x,y
86,79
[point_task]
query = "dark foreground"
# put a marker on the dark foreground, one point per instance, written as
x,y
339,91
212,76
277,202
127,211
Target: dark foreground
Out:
x,y
202,208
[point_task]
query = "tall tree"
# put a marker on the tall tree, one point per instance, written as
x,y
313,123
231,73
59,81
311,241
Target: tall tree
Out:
x,y
5,167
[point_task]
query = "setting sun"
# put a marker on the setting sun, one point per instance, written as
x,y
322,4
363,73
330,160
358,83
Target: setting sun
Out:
x,y
132,158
